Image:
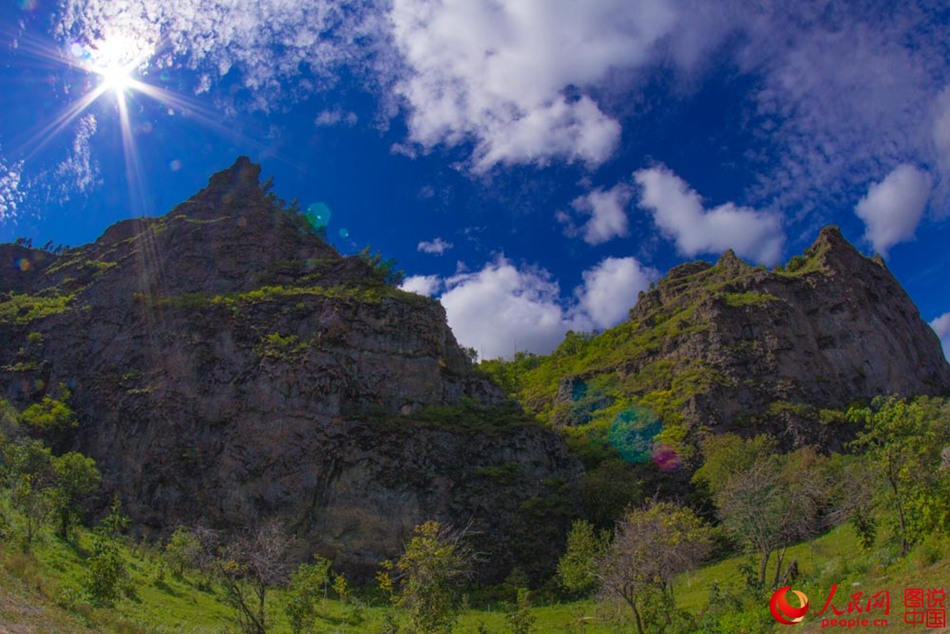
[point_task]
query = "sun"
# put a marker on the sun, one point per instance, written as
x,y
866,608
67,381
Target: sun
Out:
x,y
115,59
117,78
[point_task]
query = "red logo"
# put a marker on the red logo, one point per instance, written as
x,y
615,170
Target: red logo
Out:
x,y
783,611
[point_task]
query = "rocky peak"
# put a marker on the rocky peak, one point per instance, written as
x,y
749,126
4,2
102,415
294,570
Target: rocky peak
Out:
x,y
736,347
228,365
731,264
238,183
836,255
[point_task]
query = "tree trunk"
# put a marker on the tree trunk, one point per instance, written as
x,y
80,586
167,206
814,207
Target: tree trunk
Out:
x,y
900,514
636,613
778,567
766,555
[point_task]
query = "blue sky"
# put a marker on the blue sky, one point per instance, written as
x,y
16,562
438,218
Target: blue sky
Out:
x,y
532,163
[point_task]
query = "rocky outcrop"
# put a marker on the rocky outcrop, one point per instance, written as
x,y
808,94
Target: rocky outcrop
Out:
x,y
227,365
734,347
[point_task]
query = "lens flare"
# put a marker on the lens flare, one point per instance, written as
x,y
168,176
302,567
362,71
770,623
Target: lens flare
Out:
x,y
666,458
632,433
318,215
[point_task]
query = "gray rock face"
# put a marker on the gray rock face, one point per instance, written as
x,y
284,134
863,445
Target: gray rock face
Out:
x,y
227,365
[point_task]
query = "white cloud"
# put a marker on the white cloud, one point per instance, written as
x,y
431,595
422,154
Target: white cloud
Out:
x,y
503,309
892,209
268,41
941,326
434,247
941,147
679,213
610,290
328,118
427,285
11,196
607,211
842,94
847,94
515,77
79,172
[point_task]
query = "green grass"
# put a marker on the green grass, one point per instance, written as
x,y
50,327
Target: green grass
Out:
x,y
42,592
738,300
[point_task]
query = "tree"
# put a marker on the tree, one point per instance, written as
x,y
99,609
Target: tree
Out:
x,y
28,472
435,561
184,550
577,568
116,522
902,443
652,545
766,500
76,478
384,270
248,567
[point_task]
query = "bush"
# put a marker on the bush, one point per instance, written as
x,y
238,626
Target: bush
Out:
x,y
106,576
305,592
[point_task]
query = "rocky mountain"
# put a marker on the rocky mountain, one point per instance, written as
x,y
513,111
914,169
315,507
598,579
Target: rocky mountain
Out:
x,y
226,365
734,347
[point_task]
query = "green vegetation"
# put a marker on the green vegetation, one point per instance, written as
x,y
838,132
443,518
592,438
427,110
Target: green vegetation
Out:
x,y
50,414
425,581
384,269
651,546
25,309
281,346
369,294
808,262
738,300
469,415
905,445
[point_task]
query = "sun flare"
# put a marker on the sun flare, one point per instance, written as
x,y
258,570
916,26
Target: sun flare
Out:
x,y
116,79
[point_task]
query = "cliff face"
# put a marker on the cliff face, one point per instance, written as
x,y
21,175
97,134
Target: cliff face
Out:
x,y
227,365
739,348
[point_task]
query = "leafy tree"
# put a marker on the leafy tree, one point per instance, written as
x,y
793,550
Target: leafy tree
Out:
x,y
725,456
184,550
435,561
902,443
28,472
76,479
116,522
608,489
652,545
34,503
106,575
384,269
577,569
305,592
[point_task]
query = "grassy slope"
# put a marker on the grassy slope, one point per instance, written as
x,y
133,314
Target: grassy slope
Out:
x,y
31,588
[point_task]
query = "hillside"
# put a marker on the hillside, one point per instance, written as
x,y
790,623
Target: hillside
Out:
x,y
733,347
227,366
